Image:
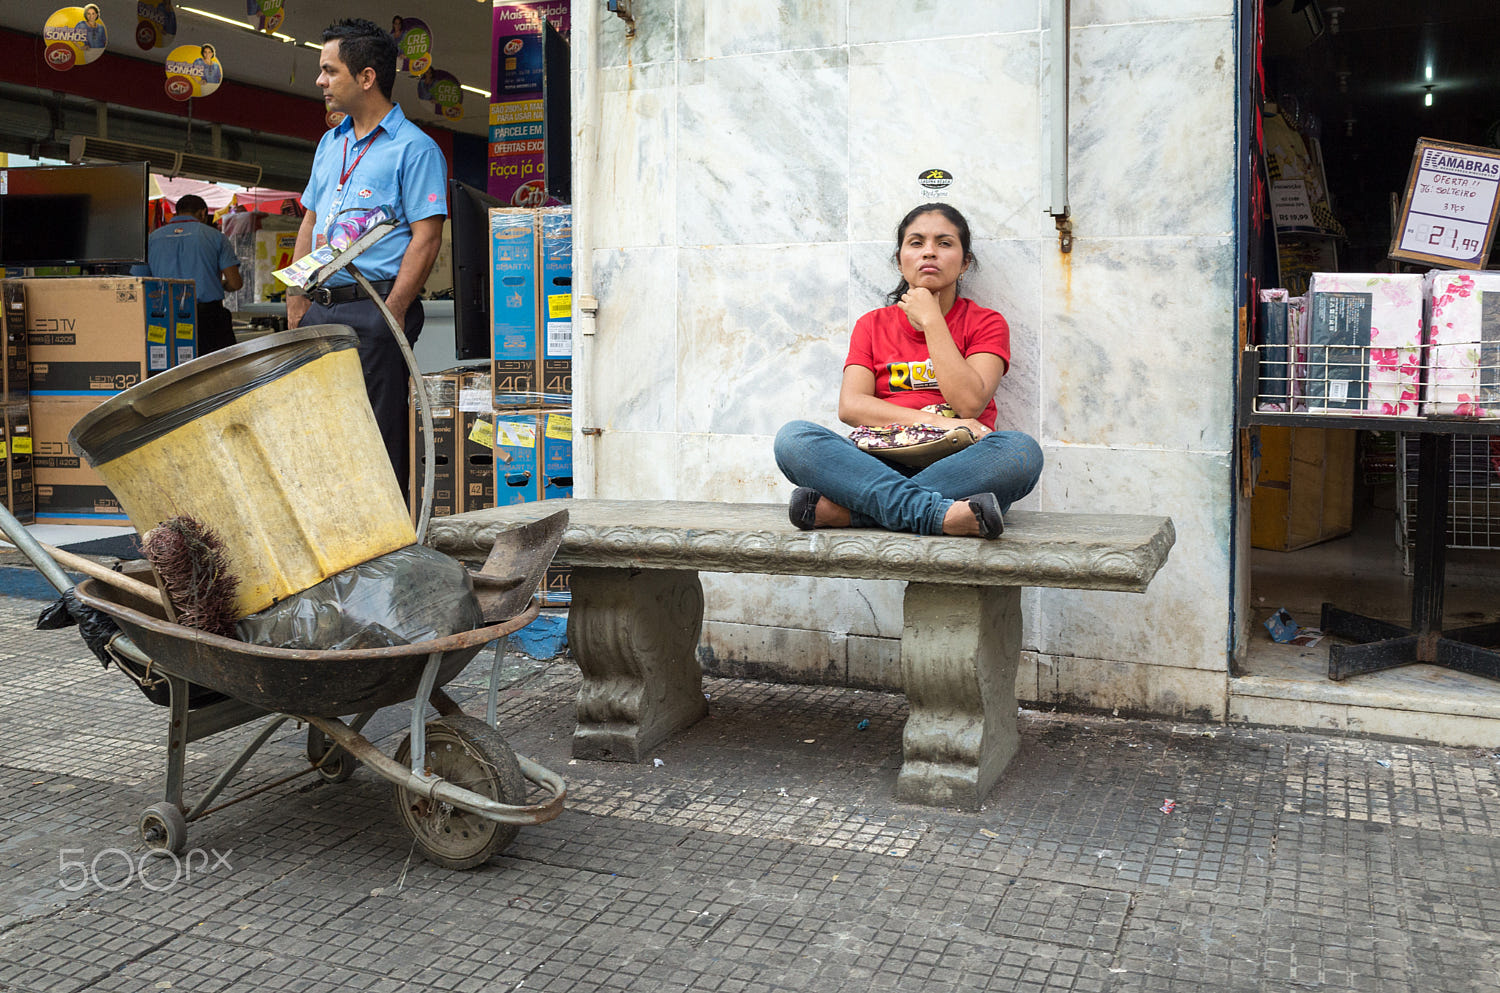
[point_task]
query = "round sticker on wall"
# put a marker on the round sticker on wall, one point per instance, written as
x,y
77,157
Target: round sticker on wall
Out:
x,y
268,15
157,24
193,71
74,36
935,182
414,42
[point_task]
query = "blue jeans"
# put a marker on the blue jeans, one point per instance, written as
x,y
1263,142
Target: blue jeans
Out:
x,y
899,498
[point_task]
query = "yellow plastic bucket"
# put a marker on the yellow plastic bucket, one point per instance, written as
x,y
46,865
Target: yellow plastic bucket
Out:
x,y
271,443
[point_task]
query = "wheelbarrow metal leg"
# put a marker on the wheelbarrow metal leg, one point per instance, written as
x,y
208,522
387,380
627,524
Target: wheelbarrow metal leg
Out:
x,y
234,767
419,715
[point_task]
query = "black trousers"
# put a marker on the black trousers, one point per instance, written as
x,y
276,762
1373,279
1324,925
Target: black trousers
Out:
x,y
386,380
215,327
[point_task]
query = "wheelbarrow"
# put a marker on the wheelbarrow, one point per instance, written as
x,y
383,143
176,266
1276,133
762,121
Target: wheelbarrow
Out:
x,y
459,788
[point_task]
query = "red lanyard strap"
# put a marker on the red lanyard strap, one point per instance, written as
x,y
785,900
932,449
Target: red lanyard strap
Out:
x,y
348,170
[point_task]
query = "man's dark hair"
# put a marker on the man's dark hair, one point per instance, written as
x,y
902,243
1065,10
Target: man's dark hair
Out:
x,y
190,203
365,45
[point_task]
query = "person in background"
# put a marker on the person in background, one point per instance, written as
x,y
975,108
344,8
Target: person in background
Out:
x,y
189,247
94,28
213,71
374,157
930,347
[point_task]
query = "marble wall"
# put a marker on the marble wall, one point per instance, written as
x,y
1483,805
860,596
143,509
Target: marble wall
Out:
x,y
754,157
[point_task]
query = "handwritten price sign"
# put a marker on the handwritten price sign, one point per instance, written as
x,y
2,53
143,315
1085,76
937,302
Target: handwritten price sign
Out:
x,y
1448,214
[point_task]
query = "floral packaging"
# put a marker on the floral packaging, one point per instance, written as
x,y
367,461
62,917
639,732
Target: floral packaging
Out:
x,y
1364,338
1463,344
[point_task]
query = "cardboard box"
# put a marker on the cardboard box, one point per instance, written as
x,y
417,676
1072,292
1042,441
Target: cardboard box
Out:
x,y
1304,490
555,300
557,586
68,490
184,322
17,485
514,266
442,398
518,457
273,250
15,375
97,335
557,455
533,456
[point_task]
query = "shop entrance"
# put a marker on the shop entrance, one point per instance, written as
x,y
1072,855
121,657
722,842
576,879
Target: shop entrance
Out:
x,y
1346,91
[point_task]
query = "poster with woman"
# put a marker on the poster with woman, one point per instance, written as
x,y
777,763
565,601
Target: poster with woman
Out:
x,y
74,36
193,71
156,24
414,42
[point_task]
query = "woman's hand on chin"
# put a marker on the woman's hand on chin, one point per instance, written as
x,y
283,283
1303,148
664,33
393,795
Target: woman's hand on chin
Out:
x,y
920,307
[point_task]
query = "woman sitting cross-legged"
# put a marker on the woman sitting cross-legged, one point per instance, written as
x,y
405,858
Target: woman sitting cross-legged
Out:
x,y
930,347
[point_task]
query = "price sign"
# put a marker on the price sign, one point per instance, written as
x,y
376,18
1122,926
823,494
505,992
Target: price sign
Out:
x,y
1448,214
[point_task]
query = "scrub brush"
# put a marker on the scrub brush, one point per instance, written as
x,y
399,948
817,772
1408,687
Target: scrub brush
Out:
x,y
194,573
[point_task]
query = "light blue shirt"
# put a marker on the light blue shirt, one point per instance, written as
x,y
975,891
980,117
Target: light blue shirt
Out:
x,y
396,165
184,248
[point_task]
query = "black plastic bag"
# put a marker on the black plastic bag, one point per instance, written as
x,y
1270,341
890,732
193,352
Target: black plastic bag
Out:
x,y
411,595
97,628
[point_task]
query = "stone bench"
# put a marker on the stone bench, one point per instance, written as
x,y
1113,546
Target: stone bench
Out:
x,y
638,610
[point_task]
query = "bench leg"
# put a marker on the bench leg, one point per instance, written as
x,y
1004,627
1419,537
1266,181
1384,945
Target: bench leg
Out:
x,y
635,636
959,652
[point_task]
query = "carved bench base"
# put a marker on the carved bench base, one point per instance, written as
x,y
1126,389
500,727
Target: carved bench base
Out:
x,y
635,635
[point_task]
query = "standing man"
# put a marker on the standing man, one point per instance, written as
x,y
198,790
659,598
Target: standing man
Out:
x,y
374,157
189,247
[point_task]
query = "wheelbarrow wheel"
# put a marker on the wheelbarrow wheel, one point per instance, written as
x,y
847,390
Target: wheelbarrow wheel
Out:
x,y
163,828
468,753
338,767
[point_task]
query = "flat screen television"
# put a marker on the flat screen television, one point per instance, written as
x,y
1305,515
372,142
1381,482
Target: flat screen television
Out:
x,y
557,117
92,215
469,217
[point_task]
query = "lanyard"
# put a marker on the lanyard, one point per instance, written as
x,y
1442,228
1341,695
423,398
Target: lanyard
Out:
x,y
348,170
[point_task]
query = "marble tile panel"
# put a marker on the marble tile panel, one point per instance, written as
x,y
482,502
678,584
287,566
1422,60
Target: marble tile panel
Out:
x,y
763,336
1288,713
713,29
632,359
733,468
654,39
874,21
1191,694
763,149
841,607
1088,13
772,654
635,465
987,133
636,160
1139,340
874,663
1180,621
1008,278
1151,129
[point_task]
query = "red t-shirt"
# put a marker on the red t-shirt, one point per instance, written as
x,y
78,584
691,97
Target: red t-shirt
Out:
x,y
885,342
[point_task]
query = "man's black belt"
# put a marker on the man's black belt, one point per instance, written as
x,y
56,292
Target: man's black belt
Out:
x,y
328,296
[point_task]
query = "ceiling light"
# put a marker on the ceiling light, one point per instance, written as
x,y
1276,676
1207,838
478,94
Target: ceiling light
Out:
x,y
1427,100
475,89
212,16
1429,73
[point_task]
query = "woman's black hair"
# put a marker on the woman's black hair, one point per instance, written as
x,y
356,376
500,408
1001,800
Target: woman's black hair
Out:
x,y
952,214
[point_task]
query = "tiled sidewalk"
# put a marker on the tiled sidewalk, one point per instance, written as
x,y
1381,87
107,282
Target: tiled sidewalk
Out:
x,y
763,853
